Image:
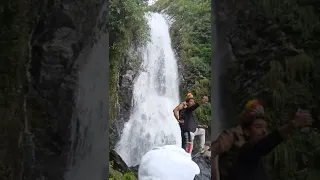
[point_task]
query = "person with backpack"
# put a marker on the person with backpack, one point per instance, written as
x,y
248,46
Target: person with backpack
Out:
x,y
200,130
247,160
177,110
190,128
224,149
249,165
178,114
223,152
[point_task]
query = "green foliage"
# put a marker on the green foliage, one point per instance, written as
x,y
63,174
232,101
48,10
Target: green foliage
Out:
x,y
295,15
127,27
289,85
116,175
191,38
289,82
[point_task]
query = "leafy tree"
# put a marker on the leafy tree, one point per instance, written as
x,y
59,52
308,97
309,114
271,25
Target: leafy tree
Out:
x,y
127,26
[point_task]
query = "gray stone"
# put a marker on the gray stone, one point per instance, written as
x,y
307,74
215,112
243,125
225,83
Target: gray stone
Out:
x,y
59,37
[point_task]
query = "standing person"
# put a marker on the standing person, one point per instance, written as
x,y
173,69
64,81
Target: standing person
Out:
x,y
190,128
228,143
249,165
181,106
225,147
178,114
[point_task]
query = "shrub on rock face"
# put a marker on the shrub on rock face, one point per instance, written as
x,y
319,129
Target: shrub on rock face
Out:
x,y
117,175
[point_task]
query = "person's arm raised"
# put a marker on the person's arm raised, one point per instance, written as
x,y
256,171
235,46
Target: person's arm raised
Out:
x,y
222,144
301,119
267,144
196,105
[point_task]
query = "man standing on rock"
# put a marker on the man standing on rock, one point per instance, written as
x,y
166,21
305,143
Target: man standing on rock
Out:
x,y
178,113
189,127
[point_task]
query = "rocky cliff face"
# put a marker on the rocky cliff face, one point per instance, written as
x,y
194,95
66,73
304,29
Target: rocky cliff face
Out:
x,y
255,42
248,44
127,75
59,37
269,58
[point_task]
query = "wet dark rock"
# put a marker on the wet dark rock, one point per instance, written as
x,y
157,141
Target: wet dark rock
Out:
x,y
204,164
135,169
271,28
127,76
60,33
203,160
255,41
118,163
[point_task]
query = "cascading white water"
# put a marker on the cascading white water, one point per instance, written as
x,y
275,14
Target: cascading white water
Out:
x,y
155,94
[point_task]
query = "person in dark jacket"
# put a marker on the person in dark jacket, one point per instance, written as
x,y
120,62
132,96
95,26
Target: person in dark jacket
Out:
x,y
178,113
190,128
259,143
228,143
231,143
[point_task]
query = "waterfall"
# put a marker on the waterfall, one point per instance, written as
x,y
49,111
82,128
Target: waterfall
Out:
x,y
155,95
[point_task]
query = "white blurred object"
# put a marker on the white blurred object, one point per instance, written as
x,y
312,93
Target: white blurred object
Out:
x,y
151,2
169,162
